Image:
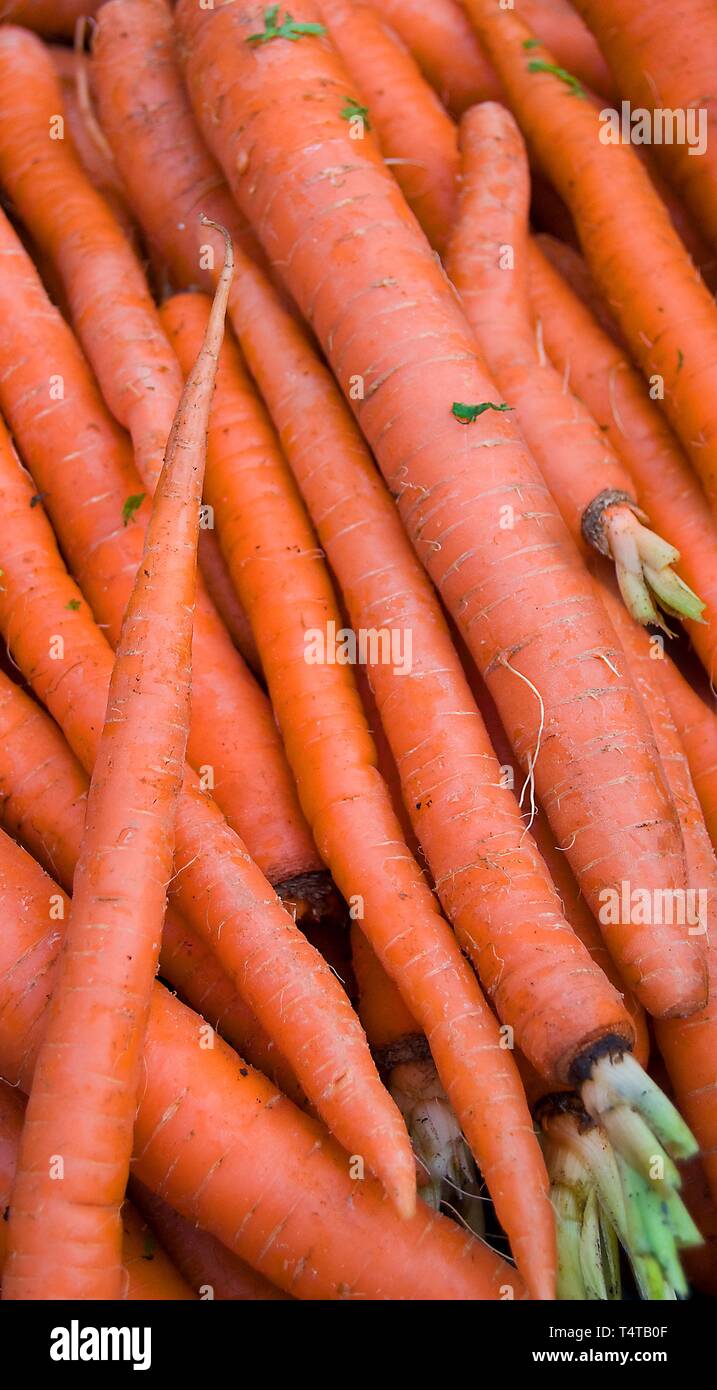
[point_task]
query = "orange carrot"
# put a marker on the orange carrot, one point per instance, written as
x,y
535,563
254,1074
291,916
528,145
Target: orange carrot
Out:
x,y
271,550
209,1268
43,795
149,1273
217,887
448,1173
90,1059
217,1142
567,136
497,553
233,739
688,1049
441,39
417,137
662,60
568,263
587,478
697,724
596,369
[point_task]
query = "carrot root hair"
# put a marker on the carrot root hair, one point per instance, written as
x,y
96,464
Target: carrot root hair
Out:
x,y
453,1181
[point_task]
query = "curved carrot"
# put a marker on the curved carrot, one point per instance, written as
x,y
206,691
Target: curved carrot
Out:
x,y
570,265
664,58
218,888
444,45
564,132
217,1142
270,548
90,1059
210,1270
587,478
496,552
596,369
93,504
417,137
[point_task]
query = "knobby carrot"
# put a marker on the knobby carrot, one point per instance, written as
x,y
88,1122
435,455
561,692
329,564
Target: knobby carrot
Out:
x,y
488,263
90,1058
444,45
216,1141
217,887
43,795
209,1268
497,553
404,1058
662,59
149,1274
566,135
84,473
271,550
417,137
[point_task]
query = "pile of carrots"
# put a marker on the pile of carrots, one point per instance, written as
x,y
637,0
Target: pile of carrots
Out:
x,y
358,596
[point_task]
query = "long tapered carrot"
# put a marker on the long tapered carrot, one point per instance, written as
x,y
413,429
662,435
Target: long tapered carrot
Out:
x,y
43,795
598,371
90,1058
662,60
565,133
202,1122
149,1273
139,375
492,550
442,41
218,888
209,1268
270,546
417,137
589,481
91,496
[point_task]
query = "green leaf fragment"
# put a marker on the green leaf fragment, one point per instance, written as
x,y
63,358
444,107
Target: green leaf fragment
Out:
x,y
354,109
73,605
540,65
132,505
468,413
531,43
289,28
